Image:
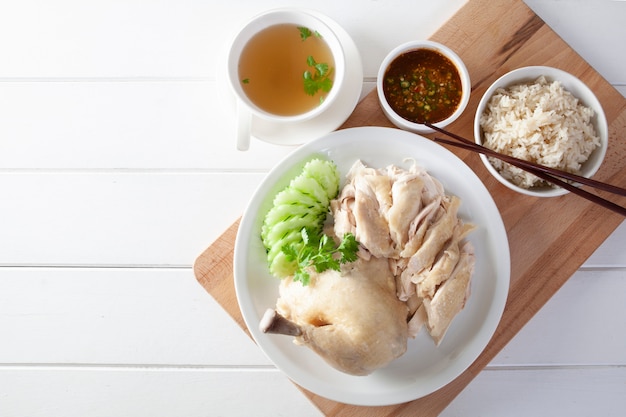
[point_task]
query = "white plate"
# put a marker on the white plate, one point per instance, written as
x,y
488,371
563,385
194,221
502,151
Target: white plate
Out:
x,y
335,116
424,367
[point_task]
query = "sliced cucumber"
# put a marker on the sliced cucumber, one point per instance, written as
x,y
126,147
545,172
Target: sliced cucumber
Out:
x,y
280,267
279,223
283,213
325,174
304,203
280,230
291,196
311,187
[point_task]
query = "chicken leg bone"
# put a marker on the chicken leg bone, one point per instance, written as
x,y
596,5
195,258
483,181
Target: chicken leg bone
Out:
x,y
272,322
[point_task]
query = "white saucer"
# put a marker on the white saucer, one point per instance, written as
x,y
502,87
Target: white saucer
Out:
x,y
330,120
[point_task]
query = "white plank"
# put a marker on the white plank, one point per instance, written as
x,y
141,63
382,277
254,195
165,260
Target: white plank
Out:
x,y
116,316
582,324
123,392
44,392
148,125
111,38
572,392
164,317
132,218
603,37
131,125
173,39
612,252
82,218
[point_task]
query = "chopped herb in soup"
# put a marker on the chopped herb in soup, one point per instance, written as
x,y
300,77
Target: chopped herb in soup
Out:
x,y
287,69
422,86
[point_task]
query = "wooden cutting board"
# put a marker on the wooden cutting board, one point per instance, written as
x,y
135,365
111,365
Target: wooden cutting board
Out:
x,y
549,238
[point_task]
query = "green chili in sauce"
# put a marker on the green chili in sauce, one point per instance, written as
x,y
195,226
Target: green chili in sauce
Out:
x,y
422,86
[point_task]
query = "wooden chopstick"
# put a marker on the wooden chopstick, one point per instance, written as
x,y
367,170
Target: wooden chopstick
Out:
x,y
548,174
526,164
543,175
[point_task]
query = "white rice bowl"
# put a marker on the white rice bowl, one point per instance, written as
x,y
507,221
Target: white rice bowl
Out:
x,y
543,115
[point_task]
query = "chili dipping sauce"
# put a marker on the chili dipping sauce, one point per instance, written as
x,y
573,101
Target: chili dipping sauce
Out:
x,y
422,85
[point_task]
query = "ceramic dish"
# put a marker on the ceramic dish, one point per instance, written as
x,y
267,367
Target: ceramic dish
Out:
x,y
335,116
571,84
410,47
424,367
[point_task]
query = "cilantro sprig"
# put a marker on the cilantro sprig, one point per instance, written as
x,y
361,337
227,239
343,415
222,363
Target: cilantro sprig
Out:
x,y
306,33
319,78
319,251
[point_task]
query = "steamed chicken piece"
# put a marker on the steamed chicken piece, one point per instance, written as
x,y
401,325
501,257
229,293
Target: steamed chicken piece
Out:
x,y
405,216
414,270
388,210
406,197
352,318
450,297
442,268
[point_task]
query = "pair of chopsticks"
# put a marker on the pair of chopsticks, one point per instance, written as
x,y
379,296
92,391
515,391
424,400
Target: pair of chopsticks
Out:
x,y
551,175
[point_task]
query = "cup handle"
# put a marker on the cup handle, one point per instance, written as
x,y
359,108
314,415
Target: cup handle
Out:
x,y
244,121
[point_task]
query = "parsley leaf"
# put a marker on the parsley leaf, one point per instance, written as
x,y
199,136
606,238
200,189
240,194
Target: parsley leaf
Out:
x,y
310,85
304,32
321,69
319,79
318,251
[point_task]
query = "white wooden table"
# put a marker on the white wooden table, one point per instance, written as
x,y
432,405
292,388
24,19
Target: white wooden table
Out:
x,y
118,167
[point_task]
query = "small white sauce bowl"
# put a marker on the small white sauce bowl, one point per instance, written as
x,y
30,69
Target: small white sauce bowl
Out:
x,y
400,121
569,83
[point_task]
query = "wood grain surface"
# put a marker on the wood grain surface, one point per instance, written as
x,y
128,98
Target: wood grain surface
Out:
x,y
549,238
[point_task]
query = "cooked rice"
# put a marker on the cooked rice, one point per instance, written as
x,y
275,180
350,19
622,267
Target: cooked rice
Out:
x,y
539,122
